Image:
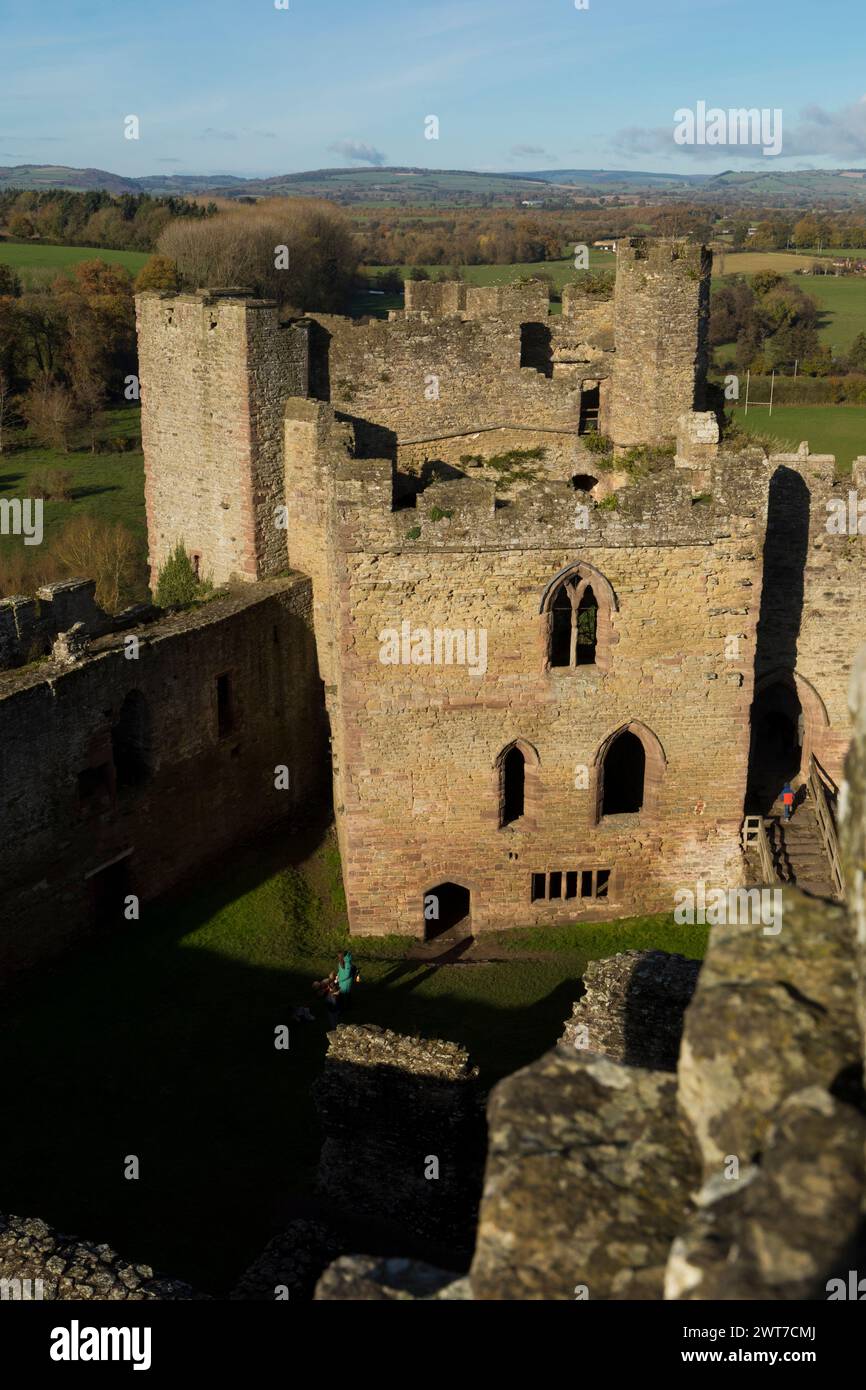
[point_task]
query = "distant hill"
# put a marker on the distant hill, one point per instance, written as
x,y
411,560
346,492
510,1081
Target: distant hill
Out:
x,y
402,185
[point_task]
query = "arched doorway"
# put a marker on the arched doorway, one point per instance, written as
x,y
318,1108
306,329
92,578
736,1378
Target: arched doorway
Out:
x,y
776,744
446,908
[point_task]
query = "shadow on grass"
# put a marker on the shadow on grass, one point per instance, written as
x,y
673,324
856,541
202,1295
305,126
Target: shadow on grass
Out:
x,y
158,1042
78,493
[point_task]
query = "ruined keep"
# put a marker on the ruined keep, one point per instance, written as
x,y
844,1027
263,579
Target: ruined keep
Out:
x,y
550,673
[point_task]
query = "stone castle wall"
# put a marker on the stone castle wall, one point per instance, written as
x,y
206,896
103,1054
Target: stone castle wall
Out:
x,y
144,769
811,612
417,745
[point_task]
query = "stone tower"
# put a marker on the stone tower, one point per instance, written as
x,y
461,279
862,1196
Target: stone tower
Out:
x,y
661,319
216,370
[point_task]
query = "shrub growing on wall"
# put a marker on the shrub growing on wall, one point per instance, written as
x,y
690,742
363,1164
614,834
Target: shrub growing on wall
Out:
x,y
177,582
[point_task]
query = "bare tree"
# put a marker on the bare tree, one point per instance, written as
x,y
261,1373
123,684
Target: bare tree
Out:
x,y
52,414
5,402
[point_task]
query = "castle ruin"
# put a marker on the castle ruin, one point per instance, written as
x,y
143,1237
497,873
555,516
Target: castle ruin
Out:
x,y
551,676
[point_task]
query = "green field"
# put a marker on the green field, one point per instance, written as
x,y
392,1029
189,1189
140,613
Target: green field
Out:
x,y
830,429
109,485
37,262
160,1043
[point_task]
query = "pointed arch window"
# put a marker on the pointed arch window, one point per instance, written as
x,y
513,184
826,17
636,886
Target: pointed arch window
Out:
x,y
516,782
577,606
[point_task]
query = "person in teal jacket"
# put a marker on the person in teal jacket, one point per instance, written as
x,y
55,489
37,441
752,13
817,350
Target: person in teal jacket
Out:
x,y
345,975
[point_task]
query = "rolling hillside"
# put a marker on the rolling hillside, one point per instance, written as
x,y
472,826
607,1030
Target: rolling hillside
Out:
x,y
406,185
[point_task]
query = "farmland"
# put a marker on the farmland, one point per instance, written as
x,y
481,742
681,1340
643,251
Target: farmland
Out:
x,y
38,262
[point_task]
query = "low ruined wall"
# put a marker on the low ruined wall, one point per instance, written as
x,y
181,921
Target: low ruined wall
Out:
x,y
123,773
402,1132
38,1263
633,1006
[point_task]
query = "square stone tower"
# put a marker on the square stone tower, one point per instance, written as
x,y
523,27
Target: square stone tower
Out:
x,y
661,322
216,370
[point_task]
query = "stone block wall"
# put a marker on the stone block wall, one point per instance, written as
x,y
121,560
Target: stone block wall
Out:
x,y
124,775
811,609
390,1108
419,377
216,369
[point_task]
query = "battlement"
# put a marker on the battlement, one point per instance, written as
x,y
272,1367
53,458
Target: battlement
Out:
x,y
528,301
667,256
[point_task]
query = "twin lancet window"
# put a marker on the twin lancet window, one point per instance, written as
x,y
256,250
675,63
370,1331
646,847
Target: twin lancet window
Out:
x,y
576,608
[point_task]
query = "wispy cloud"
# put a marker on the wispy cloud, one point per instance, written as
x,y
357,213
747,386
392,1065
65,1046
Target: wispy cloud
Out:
x,y
523,151
211,134
356,149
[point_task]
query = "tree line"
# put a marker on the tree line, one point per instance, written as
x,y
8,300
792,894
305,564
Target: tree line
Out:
x,y
129,222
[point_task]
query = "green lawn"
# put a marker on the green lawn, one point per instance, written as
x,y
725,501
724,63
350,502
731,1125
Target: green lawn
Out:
x,y
37,262
830,429
160,1043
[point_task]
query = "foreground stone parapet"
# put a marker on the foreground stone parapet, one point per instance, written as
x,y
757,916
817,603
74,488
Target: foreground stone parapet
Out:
x,y
633,1008
781,1230
853,830
771,1015
60,1267
588,1174
403,1132
367,1278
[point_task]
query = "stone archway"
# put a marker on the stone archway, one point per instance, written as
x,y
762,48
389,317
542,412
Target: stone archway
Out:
x,y
787,720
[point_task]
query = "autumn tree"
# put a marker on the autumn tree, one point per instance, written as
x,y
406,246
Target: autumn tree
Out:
x,y
159,273
293,250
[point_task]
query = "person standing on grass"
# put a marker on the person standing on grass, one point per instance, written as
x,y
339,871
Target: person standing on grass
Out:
x,y
345,976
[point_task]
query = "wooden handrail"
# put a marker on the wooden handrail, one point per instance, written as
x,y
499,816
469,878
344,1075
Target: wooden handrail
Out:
x,y
818,783
754,836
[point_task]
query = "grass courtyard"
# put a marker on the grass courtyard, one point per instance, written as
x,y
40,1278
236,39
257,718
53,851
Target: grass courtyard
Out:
x,y
160,1043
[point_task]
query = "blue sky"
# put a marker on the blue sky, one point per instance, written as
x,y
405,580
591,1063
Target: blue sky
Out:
x,y
238,86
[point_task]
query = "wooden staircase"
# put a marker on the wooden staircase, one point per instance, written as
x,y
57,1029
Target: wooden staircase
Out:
x,y
803,850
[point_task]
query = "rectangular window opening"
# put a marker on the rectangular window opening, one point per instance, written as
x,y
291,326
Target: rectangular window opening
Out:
x,y
225,713
571,884
537,891
602,880
94,788
555,885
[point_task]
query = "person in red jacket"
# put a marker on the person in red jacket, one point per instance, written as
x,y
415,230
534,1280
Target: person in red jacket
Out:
x,y
788,800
